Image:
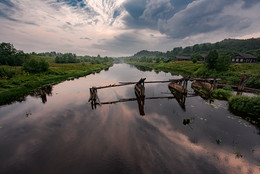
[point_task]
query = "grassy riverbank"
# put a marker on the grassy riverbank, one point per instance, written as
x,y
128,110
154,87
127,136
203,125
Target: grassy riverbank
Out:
x,y
187,68
21,83
242,104
239,103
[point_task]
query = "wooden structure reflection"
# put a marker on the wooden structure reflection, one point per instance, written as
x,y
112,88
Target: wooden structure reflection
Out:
x,y
178,88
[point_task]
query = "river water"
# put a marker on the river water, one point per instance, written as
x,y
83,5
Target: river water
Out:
x,y
57,131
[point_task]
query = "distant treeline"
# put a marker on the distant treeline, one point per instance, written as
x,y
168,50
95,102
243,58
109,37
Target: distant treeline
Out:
x,y
67,58
229,46
11,56
73,58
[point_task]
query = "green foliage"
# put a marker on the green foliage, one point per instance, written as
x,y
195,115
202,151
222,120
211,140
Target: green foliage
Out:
x,y
230,46
34,66
147,53
228,88
254,81
6,73
23,83
10,56
245,104
211,59
219,140
66,58
223,62
258,58
195,57
194,60
221,94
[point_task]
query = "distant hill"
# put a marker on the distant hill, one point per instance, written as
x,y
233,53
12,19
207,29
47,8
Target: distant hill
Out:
x,y
230,46
147,53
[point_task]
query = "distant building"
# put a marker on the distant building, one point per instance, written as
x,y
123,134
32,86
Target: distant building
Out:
x,y
166,60
243,58
182,58
202,57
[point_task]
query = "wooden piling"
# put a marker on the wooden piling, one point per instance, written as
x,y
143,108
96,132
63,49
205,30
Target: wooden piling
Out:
x,y
139,88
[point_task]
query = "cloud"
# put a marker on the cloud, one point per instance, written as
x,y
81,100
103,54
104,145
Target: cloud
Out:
x,y
86,38
145,14
115,27
204,16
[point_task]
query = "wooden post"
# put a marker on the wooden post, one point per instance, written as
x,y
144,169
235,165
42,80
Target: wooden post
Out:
x,y
93,98
139,87
215,83
242,83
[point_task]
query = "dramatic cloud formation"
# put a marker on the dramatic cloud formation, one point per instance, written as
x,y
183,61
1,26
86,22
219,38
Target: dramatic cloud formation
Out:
x,y
123,27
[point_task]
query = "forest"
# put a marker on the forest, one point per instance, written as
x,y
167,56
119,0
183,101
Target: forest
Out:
x,y
22,73
228,46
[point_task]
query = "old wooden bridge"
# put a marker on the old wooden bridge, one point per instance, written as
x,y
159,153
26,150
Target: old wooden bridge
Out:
x,y
178,87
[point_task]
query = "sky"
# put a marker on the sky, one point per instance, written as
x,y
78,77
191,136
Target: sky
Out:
x,y
123,27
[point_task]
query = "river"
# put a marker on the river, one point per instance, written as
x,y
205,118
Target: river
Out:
x,y
57,131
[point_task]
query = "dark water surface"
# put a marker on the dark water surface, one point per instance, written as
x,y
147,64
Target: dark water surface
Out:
x,y
58,132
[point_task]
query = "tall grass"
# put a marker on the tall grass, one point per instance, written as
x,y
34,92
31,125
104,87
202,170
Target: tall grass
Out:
x,y
245,104
187,68
21,83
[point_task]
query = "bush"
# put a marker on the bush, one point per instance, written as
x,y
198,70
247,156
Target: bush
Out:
x,y
245,104
228,88
254,81
194,60
34,66
5,73
221,94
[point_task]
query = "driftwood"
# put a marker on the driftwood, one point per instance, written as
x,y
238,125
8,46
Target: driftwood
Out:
x,y
177,87
205,85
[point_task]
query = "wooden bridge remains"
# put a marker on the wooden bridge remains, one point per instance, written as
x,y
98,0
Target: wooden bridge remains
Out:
x,y
178,88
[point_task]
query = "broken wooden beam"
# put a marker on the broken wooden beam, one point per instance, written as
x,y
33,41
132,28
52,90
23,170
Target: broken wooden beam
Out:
x,y
139,88
134,99
179,88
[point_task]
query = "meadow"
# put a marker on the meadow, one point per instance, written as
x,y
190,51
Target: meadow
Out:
x,y
16,83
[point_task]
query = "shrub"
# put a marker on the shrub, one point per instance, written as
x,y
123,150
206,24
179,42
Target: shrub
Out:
x,y
34,66
194,60
228,88
245,104
221,94
5,73
254,81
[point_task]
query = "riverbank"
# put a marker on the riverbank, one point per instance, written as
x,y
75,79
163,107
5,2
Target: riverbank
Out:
x,y
21,83
240,103
187,68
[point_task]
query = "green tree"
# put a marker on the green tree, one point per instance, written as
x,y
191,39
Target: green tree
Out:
x,y
34,66
258,58
223,62
195,57
196,48
211,59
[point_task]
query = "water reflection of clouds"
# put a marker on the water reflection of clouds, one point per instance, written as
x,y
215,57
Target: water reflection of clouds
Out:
x,y
65,136
224,160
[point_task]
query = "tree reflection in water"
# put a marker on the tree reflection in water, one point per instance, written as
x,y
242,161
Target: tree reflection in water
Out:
x,y
43,93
